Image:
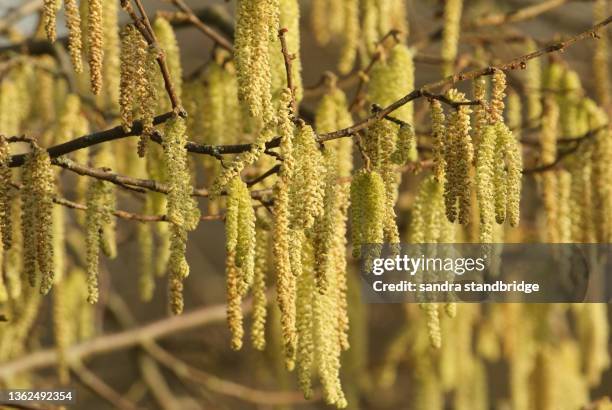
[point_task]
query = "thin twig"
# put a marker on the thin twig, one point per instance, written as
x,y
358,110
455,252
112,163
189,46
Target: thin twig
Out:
x,y
226,387
100,388
288,58
144,26
121,340
516,63
203,27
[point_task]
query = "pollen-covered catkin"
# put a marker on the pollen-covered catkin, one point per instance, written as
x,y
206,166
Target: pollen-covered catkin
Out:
x,y
438,133
50,8
260,300
285,279
5,194
73,21
95,40
458,156
367,209
130,59
256,23
240,230
450,34
97,212
307,185
181,208
485,188
37,223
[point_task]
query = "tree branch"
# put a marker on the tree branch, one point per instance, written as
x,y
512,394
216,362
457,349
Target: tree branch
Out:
x,y
200,25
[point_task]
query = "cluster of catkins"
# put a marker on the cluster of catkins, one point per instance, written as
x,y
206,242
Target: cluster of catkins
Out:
x,y
475,183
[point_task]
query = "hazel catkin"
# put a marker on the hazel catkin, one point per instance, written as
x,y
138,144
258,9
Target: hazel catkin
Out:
x,y
37,223
367,209
95,40
6,228
73,21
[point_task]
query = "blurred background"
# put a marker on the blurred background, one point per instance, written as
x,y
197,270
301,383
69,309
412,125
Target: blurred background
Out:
x,y
129,371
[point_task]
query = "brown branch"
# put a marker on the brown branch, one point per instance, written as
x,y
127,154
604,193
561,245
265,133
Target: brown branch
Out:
x,y
229,388
516,63
514,16
121,340
200,25
100,388
288,58
144,26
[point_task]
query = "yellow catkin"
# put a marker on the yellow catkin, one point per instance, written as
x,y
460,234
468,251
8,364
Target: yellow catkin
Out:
x,y
73,21
96,215
548,143
450,34
485,168
327,338
240,230
498,93
564,179
50,8
5,194
260,300
369,25
109,97
351,33
433,324
367,209
514,167
319,22
305,353
181,209
95,40
458,155
428,219
533,86
285,279
438,133
234,300
602,171
130,39
307,187
481,115
256,22
37,221
601,58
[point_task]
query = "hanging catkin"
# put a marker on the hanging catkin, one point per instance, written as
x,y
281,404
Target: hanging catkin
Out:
x,y
367,209
260,300
533,86
50,8
485,164
5,194
240,248
97,215
307,186
37,224
458,158
351,33
285,279
181,209
95,41
256,23
73,21
450,34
